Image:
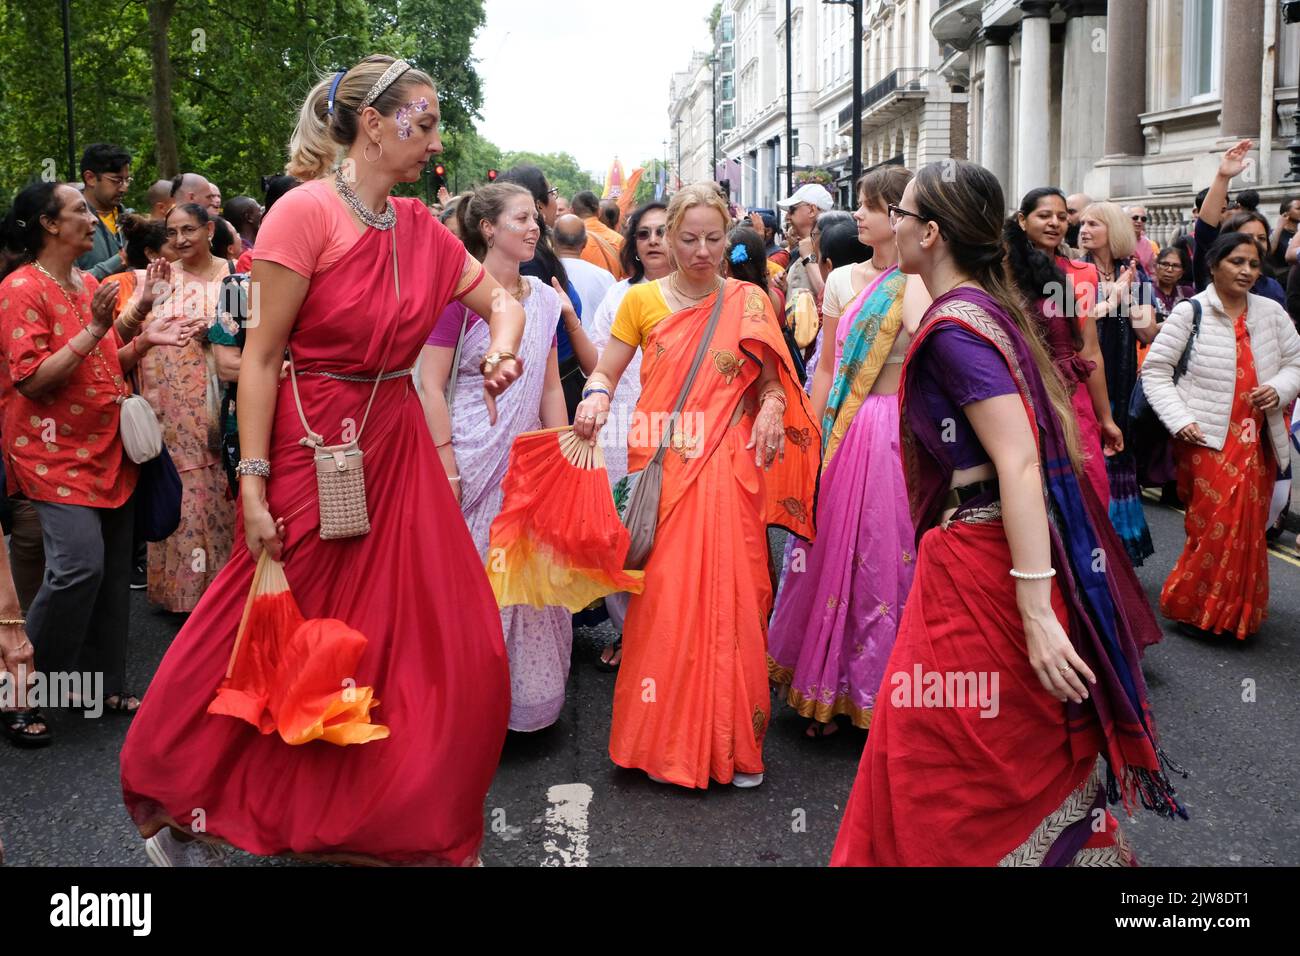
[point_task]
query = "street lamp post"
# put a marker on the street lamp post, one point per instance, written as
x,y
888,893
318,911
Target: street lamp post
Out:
x,y
857,84
67,87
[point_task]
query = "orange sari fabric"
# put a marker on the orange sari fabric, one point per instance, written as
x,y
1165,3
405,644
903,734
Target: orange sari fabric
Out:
x,y
1220,582
691,701
603,247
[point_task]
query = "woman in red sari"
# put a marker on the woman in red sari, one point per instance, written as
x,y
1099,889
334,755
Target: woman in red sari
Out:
x,y
1016,663
691,702
1227,412
327,265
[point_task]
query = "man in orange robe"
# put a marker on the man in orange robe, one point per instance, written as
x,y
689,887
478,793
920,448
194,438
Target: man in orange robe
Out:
x,y
603,243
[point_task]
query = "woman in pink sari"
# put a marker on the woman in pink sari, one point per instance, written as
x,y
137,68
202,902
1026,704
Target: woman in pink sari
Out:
x,y
834,625
352,282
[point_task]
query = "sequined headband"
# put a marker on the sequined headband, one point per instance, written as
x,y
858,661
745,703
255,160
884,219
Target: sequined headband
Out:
x,y
390,75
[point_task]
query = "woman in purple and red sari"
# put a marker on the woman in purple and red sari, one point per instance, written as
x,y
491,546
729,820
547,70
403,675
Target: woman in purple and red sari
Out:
x,y
1015,671
351,282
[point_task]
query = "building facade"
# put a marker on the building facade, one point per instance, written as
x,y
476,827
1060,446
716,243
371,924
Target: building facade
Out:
x,y
1131,100
911,112
690,113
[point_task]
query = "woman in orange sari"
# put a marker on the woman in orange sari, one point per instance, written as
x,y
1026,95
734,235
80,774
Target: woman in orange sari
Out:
x,y
691,702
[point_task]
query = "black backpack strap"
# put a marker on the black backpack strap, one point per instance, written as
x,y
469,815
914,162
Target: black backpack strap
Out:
x,y
1181,368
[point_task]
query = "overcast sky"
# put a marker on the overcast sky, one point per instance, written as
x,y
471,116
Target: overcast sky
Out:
x,y
588,77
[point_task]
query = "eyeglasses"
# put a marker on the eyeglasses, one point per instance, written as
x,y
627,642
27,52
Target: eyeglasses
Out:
x,y
897,212
658,232
553,191
1138,218
1169,265
187,231
118,180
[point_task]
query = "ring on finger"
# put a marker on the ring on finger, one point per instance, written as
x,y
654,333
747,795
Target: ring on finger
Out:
x,y
1065,669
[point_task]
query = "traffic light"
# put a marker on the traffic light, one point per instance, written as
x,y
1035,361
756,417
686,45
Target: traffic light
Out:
x,y
492,175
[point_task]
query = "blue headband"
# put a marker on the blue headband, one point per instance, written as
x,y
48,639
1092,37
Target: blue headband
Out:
x,y
329,109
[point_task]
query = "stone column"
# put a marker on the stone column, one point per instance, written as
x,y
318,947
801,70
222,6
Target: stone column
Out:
x,y
995,152
1243,52
1083,105
1033,131
1126,77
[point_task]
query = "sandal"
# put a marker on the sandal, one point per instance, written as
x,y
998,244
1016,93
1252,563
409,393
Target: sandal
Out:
x,y
607,664
816,729
17,724
121,704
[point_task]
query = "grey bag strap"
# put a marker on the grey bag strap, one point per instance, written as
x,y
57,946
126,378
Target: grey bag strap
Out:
x,y
455,358
690,376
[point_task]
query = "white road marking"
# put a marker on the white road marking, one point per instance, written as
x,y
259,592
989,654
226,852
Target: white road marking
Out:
x,y
566,825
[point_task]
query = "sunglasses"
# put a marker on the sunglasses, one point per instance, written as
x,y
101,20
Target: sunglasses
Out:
x,y
658,232
1138,218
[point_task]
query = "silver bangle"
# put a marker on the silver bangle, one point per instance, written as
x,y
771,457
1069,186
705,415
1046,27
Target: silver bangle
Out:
x,y
1033,576
257,467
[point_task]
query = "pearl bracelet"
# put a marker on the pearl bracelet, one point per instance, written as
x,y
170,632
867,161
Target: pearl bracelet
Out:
x,y
1033,576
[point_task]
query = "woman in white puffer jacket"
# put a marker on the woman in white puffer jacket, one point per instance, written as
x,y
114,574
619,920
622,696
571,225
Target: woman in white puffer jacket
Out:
x,y
1226,411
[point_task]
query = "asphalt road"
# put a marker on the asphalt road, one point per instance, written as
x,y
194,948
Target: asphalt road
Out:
x,y
557,798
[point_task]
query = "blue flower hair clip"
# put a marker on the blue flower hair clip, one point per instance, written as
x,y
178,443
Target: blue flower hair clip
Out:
x,y
739,253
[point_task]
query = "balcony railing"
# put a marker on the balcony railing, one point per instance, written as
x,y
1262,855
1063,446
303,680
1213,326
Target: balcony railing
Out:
x,y
906,79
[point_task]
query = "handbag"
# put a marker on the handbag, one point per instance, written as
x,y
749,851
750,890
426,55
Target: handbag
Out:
x,y
642,515
340,469
1140,411
140,431
158,498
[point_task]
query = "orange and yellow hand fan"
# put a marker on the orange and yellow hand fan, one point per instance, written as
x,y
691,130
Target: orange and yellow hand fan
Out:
x,y
558,541
292,675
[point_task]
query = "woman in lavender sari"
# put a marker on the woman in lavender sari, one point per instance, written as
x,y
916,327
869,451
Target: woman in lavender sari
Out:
x,y
834,626
498,227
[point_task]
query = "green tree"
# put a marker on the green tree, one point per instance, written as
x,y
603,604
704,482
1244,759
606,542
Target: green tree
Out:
x,y
468,157
562,171
212,86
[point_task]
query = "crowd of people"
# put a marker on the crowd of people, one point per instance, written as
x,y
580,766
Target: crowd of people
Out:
x,y
952,413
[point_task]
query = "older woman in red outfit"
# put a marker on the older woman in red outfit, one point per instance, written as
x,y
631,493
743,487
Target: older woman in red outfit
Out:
x,y
62,382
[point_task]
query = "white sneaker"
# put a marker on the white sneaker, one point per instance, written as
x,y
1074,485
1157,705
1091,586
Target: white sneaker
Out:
x,y
746,780
163,849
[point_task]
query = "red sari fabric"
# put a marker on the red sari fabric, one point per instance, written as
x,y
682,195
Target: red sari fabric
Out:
x,y
1220,582
414,587
941,785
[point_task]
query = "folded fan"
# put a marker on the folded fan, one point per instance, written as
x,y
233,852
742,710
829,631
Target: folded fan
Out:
x,y
558,541
292,675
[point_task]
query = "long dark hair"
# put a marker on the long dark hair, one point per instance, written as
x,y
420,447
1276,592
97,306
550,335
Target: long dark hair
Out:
x,y
839,244
753,266
534,180
21,234
966,201
627,256
1035,273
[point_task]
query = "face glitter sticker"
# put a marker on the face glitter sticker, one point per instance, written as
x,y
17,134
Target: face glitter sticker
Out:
x,y
404,114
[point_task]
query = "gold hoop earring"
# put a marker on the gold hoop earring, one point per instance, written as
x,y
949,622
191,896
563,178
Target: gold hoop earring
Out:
x,y
365,153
